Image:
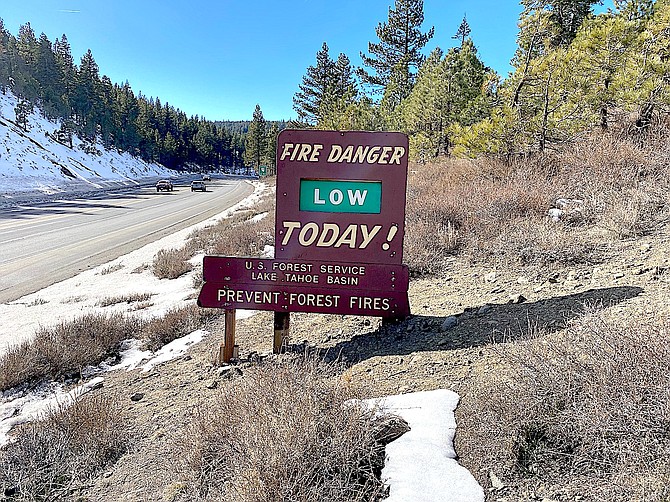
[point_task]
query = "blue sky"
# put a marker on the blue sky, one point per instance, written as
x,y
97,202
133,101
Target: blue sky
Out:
x,y
219,58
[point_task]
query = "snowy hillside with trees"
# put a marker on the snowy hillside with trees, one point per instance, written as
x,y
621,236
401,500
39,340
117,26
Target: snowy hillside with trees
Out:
x,y
36,156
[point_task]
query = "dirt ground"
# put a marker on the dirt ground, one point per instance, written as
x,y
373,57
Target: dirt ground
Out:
x,y
459,320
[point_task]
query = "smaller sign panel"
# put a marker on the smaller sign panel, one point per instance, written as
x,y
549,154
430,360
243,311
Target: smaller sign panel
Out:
x,y
280,273
340,196
387,304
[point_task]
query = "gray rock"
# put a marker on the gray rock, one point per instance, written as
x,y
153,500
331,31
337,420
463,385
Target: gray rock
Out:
x,y
137,396
229,372
212,384
484,309
449,323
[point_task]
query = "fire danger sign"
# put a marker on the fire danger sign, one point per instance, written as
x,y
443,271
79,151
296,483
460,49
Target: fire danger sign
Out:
x,y
341,196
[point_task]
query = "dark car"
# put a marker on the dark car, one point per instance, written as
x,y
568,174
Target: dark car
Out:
x,y
198,185
164,185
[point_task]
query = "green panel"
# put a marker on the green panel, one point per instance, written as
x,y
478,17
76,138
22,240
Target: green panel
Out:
x,y
339,196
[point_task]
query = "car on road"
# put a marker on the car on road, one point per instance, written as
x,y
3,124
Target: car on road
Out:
x,y
164,185
198,185
206,177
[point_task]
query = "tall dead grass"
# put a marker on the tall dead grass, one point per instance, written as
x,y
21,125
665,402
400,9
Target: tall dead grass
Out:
x,y
285,432
62,351
591,404
497,211
53,457
176,322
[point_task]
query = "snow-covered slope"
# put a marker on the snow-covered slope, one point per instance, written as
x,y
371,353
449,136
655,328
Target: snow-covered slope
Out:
x,y
35,161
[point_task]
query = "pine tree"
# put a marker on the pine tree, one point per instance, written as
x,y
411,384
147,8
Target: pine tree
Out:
x,y
449,91
22,109
463,31
87,96
270,156
635,10
47,75
27,45
255,142
315,87
566,16
340,95
5,62
399,47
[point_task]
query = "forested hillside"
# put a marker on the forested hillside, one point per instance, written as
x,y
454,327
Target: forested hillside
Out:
x,y
43,74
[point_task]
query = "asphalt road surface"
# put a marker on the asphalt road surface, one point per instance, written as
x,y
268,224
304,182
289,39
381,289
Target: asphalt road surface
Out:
x,y
45,243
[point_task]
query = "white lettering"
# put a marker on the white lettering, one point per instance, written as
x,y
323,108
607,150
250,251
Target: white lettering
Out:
x,y
357,198
317,197
336,197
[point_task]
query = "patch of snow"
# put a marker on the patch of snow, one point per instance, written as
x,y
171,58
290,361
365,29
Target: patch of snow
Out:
x,y
174,349
23,408
421,465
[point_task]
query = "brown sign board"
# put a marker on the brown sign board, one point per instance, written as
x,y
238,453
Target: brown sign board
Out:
x,y
341,196
256,296
360,277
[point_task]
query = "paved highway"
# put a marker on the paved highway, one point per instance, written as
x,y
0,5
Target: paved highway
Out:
x,y
45,243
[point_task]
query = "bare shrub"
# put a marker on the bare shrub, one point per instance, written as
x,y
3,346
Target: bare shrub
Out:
x,y
177,322
172,263
243,234
62,351
110,269
129,298
590,404
284,432
245,239
53,457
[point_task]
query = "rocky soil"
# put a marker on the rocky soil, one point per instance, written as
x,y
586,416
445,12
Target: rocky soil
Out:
x,y
459,321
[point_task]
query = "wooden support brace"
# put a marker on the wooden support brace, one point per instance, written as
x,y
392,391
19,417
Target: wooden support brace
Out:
x,y
228,345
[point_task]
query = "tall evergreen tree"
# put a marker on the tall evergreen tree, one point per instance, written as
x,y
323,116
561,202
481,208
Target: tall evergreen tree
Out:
x,y
271,148
566,16
315,87
27,45
255,142
399,47
449,91
47,74
5,60
463,31
86,100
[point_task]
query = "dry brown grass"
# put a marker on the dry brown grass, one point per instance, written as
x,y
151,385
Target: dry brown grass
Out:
x,y
241,235
129,298
587,411
51,458
245,233
496,211
172,263
284,432
176,323
65,349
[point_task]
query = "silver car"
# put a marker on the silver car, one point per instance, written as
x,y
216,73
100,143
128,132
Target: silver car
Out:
x,y
198,185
